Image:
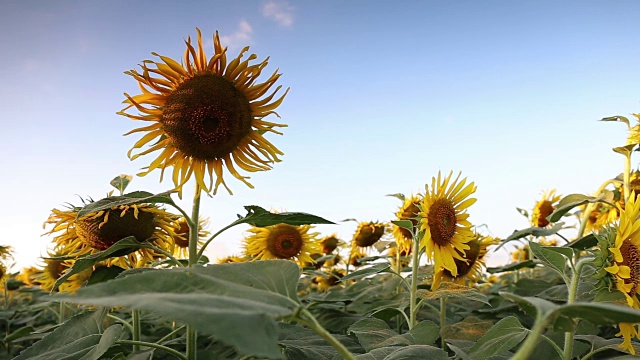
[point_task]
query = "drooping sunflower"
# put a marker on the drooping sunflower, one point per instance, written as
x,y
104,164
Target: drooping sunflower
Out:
x,y
330,243
205,115
471,268
98,231
601,216
395,254
408,211
544,207
368,233
181,238
27,275
443,219
283,241
52,269
356,256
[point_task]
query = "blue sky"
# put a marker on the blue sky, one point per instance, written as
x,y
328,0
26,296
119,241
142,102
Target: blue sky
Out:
x,y
383,95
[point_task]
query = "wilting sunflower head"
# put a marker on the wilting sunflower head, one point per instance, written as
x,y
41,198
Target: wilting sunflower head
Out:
x,y
283,241
181,238
408,211
205,115
315,263
27,275
53,268
6,253
544,207
330,243
330,279
356,256
368,233
470,268
100,230
443,219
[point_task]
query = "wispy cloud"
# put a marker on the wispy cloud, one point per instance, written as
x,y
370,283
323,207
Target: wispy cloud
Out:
x,y
279,11
240,38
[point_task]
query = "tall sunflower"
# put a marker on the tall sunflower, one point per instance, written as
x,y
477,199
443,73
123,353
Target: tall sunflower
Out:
x,y
471,268
368,233
181,238
205,115
544,207
283,241
97,231
408,211
444,221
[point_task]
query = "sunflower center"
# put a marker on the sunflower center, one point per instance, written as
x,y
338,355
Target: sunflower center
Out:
x,y
55,268
442,221
116,228
369,234
471,256
631,258
206,117
410,213
546,208
182,238
285,242
329,244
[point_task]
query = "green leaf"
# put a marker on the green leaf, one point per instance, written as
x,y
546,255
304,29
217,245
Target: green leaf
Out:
x,y
512,267
571,201
405,353
121,182
625,150
260,217
584,242
599,313
523,212
18,333
601,343
399,196
551,259
453,290
223,300
108,338
374,269
617,118
374,333
76,336
136,197
303,344
502,337
121,248
535,231
405,224
534,307
104,273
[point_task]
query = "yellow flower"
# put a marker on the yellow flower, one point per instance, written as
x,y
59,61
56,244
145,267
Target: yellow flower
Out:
x,y
601,216
444,221
232,259
547,242
520,253
368,233
408,211
330,243
282,241
52,269
27,275
329,280
205,115
356,256
97,231
472,265
181,238
544,208
404,257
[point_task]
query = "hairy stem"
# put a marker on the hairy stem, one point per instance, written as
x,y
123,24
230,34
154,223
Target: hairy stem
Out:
x,y
415,262
573,292
135,319
306,318
192,335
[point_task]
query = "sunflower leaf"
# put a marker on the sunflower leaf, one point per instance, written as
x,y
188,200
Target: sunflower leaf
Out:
x,y
512,267
399,196
121,182
584,242
617,118
532,306
600,343
259,217
223,300
552,259
374,333
375,269
571,201
136,197
502,337
405,352
453,290
599,313
535,231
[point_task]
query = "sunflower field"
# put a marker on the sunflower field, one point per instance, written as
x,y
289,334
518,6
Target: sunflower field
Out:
x,y
127,276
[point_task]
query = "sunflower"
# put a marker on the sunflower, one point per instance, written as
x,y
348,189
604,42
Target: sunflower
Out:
x,y
205,115
520,253
48,274
328,280
97,231
601,216
544,208
27,275
404,257
471,267
232,259
368,233
356,256
283,241
330,243
408,211
181,238
444,221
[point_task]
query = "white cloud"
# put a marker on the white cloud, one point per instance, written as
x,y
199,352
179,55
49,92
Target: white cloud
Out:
x,y
280,12
240,38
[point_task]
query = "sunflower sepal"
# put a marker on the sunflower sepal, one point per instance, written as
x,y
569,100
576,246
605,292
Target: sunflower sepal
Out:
x,y
133,198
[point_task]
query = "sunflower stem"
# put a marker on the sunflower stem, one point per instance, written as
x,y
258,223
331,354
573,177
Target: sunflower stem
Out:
x,y
122,321
415,261
307,319
443,322
172,334
169,350
573,291
135,319
61,317
529,345
192,335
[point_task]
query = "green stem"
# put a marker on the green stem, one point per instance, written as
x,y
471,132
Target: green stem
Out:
x,y
573,291
135,319
165,253
171,334
529,345
123,322
443,321
169,350
306,318
192,336
61,317
553,344
204,246
415,261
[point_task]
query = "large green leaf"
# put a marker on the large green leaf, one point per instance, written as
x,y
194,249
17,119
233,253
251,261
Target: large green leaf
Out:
x,y
552,259
534,307
405,353
599,313
260,217
535,231
512,267
223,300
503,336
598,343
136,197
454,291
571,201
584,242
374,333
72,340
376,268
121,182
303,344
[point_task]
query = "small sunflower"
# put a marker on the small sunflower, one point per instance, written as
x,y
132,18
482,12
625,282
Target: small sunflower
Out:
x,y
408,211
205,115
97,231
368,233
283,241
324,283
520,253
601,216
27,275
330,243
471,267
404,257
181,238
547,242
52,269
544,208
444,221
